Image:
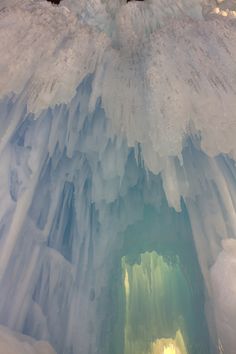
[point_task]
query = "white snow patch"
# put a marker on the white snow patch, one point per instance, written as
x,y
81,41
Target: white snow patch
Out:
x,y
14,343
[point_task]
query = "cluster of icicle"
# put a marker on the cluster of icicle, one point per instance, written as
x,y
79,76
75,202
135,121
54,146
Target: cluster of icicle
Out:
x,y
98,99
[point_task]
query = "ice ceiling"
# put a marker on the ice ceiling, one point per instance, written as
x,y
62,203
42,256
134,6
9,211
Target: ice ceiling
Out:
x,y
117,177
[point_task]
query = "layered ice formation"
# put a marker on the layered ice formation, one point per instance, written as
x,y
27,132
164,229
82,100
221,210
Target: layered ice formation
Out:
x,y
117,153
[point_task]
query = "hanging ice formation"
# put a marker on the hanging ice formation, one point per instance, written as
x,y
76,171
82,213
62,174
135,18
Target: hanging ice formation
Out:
x,y
117,177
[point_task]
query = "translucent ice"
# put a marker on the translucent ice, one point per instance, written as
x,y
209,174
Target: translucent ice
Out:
x,y
117,139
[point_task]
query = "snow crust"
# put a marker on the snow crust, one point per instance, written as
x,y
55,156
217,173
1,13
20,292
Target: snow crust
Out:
x,y
46,53
159,60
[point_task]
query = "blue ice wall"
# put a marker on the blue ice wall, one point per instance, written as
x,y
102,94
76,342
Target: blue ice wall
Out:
x,y
69,191
65,201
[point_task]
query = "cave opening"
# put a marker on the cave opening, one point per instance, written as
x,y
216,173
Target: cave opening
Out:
x,y
158,290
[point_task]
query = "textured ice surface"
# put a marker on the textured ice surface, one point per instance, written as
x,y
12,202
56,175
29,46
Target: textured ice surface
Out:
x,y
144,62
103,106
46,53
223,275
12,343
147,287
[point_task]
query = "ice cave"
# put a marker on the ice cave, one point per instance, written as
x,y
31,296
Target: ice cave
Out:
x,y
117,177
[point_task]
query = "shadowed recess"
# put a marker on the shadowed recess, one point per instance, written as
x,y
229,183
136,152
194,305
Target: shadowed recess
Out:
x,y
56,2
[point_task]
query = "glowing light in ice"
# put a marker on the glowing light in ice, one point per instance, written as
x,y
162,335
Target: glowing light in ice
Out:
x,y
169,345
147,291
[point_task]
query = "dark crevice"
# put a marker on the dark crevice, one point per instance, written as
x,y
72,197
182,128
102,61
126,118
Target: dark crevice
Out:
x,y
56,2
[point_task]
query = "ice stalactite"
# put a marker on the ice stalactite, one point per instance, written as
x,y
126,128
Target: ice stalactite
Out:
x,y
117,156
